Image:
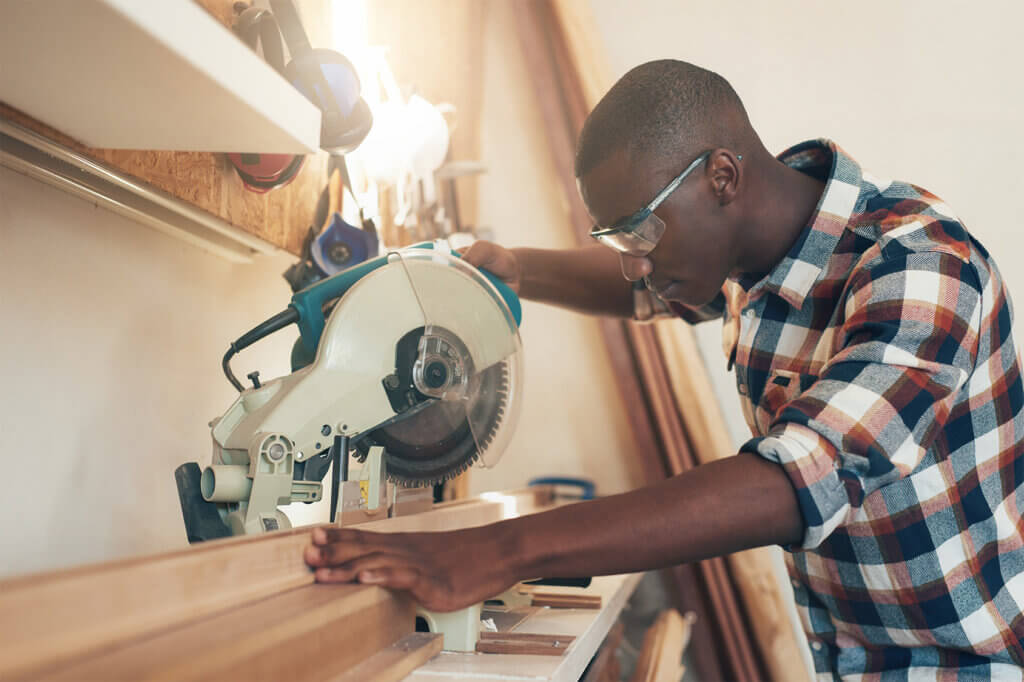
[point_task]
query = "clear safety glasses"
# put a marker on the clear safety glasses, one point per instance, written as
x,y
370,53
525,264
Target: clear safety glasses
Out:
x,y
638,234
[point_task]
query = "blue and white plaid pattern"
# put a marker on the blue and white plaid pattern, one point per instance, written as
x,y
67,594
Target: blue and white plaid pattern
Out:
x,y
877,366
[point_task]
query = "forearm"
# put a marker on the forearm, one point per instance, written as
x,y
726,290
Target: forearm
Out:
x,y
587,280
718,508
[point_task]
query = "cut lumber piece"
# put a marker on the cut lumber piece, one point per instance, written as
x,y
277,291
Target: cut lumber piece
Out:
x,y
566,601
523,643
49,619
397,661
662,653
311,633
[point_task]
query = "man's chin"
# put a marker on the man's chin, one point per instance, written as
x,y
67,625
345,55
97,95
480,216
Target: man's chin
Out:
x,y
676,292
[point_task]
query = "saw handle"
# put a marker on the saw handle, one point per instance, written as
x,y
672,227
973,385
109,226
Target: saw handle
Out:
x,y
309,302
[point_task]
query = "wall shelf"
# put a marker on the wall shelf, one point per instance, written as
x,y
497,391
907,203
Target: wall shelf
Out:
x,y
137,74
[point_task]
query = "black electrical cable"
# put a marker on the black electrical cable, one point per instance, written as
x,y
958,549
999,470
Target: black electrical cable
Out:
x,y
284,318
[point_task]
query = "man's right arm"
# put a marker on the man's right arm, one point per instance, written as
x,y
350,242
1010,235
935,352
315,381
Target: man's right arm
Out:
x,y
587,280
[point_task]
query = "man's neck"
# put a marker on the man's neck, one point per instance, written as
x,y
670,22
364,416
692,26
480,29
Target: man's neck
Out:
x,y
786,201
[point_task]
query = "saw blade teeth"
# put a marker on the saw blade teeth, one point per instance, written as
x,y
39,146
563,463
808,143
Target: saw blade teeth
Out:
x,y
406,461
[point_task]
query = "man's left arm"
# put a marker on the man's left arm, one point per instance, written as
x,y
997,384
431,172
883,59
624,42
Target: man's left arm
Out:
x,y
717,508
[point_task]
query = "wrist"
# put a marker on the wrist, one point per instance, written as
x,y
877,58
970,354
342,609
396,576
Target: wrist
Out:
x,y
520,256
504,550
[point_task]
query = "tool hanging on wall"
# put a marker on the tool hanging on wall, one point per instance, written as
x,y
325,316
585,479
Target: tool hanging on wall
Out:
x,y
263,172
341,245
337,245
328,80
325,77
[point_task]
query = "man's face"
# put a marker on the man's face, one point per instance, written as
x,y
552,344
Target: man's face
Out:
x,y
693,258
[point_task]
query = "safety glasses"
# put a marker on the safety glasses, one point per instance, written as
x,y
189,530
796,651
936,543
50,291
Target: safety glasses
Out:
x,y
638,234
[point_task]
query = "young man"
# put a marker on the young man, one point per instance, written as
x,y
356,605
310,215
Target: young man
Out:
x,y
871,338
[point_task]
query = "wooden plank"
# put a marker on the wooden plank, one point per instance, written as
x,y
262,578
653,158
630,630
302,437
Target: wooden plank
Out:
x,y
523,643
605,666
397,661
310,633
566,601
50,618
662,652
148,75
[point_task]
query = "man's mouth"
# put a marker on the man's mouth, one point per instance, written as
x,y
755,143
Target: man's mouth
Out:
x,y
660,289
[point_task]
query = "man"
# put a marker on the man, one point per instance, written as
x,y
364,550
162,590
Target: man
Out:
x,y
870,336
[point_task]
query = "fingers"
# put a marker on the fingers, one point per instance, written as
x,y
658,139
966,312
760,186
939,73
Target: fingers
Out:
x,y
480,254
497,260
488,255
387,570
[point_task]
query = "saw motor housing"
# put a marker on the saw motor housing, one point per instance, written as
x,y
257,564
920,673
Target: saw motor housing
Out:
x,y
419,362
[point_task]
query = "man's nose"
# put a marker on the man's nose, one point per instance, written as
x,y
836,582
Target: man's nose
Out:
x,y
635,267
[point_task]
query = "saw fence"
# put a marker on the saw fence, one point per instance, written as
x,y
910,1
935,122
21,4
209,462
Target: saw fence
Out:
x,y
239,608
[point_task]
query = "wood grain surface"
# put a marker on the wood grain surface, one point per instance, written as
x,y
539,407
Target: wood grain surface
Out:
x,y
311,633
49,619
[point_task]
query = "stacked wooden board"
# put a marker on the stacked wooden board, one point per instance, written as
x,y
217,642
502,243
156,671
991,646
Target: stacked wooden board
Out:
x,y
662,653
240,608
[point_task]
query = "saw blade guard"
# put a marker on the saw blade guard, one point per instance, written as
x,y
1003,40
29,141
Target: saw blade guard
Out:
x,y
468,359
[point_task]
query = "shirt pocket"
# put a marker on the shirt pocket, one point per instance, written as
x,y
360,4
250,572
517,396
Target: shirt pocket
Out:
x,y
782,387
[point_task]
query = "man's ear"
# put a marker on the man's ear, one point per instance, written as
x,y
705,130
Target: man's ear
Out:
x,y
726,173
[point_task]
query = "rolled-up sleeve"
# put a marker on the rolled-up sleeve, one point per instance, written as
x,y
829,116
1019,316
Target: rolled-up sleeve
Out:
x,y
908,344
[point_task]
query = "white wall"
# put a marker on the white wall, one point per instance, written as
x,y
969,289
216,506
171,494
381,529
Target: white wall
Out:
x,y
112,335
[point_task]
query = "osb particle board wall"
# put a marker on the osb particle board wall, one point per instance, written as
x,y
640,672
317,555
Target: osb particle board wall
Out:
x,y
281,216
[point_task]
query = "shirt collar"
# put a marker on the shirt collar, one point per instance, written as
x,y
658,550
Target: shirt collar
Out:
x,y
795,276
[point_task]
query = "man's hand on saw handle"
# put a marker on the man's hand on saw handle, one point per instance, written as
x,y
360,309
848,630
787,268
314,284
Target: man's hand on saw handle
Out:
x,y
499,261
586,280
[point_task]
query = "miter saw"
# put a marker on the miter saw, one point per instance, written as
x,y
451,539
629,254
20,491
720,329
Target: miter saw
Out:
x,y
410,362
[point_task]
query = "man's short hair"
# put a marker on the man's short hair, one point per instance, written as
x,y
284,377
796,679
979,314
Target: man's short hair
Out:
x,y
661,108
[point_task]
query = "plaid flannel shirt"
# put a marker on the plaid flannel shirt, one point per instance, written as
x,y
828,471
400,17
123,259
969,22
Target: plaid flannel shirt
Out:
x,y
876,365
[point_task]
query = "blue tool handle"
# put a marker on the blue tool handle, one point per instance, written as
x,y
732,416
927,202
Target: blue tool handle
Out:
x,y
586,486
310,301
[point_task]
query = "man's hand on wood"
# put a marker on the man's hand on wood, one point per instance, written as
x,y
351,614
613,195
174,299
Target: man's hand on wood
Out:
x,y
442,571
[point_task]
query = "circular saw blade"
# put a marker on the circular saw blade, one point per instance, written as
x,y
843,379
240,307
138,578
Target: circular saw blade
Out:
x,y
441,441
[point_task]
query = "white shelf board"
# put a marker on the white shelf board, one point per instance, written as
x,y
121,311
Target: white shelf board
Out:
x,y
147,74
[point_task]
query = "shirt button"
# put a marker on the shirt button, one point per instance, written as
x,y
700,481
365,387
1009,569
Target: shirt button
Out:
x,y
816,646
749,313
742,388
796,584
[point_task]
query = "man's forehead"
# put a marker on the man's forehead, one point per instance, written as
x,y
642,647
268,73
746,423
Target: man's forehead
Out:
x,y
620,185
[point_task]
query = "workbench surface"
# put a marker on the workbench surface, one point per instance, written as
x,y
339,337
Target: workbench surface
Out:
x,y
589,626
